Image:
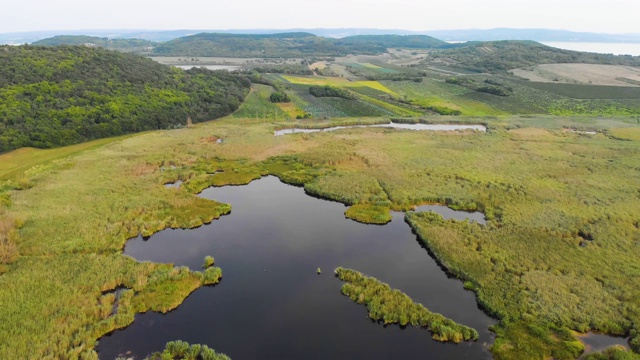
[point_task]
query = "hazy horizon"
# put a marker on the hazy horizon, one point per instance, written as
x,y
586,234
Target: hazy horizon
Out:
x,y
391,30
617,17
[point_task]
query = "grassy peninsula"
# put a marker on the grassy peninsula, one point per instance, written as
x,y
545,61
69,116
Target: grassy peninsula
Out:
x,y
394,307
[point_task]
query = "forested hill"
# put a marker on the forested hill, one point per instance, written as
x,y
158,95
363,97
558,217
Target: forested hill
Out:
x,y
298,44
53,96
500,56
126,45
393,41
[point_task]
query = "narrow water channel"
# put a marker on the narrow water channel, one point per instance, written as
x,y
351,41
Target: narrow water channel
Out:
x,y
415,127
271,304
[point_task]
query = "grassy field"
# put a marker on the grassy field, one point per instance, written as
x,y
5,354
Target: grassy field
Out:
x,y
257,105
559,252
14,164
437,93
586,74
338,82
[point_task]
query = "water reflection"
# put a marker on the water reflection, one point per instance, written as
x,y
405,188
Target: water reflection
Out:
x,y
271,302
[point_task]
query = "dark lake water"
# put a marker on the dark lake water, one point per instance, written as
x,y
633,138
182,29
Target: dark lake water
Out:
x,y
598,342
271,304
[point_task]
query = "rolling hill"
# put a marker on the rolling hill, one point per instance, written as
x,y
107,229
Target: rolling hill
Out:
x,y
297,44
53,96
501,56
125,45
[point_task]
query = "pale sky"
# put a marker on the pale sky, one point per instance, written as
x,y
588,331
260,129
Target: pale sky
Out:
x,y
610,16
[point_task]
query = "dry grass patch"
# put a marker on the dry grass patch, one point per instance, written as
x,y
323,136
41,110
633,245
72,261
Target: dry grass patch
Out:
x,y
291,109
587,74
628,133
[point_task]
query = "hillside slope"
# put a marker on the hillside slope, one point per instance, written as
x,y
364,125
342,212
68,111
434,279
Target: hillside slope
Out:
x,y
53,96
500,56
126,45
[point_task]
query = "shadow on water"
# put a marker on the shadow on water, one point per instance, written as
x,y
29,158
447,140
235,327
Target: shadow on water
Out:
x,y
594,342
271,302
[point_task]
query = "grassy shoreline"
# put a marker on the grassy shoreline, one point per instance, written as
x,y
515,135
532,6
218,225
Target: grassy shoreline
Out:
x,y
395,307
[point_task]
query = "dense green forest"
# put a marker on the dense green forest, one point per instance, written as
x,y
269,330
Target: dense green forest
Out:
x,y
53,96
500,56
287,45
126,45
395,41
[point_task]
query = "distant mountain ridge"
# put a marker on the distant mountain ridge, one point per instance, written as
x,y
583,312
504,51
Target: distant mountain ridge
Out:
x,y
291,44
447,35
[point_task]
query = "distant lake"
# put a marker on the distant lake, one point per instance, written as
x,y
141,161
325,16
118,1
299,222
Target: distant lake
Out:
x,y
603,48
210,67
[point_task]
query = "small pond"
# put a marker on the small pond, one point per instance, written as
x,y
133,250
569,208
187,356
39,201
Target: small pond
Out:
x,y
173,185
271,304
447,213
594,342
210,67
417,127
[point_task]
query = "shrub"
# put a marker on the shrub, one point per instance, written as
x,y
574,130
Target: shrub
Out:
x,y
208,262
279,97
330,91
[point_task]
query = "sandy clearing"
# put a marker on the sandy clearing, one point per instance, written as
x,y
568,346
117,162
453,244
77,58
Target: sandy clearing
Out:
x,y
588,74
318,65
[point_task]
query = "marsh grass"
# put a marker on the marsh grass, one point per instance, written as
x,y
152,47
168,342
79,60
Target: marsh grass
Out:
x,y
613,353
181,350
369,214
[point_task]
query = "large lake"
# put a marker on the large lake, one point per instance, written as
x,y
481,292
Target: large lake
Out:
x,y
271,304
